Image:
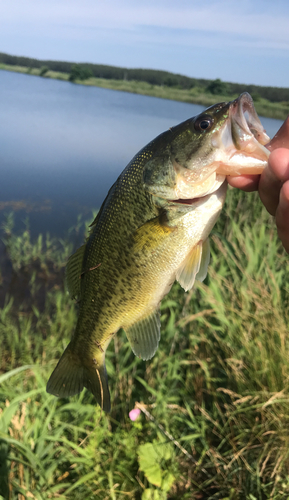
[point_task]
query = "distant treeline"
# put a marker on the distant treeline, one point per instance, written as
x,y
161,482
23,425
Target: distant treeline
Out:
x,y
154,77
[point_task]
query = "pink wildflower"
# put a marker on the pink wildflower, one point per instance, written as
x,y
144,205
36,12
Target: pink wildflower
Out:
x,y
134,414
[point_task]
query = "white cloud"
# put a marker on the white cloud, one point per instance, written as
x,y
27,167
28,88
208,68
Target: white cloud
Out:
x,y
238,40
238,19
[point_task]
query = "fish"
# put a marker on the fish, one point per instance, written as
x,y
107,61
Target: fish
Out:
x,y
153,229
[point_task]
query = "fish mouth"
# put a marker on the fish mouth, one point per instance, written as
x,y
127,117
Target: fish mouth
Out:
x,y
245,122
239,150
219,189
237,147
243,140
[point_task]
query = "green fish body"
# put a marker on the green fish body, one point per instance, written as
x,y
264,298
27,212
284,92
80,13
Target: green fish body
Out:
x,y
151,230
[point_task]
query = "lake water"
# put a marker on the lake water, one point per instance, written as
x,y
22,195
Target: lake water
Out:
x,y
63,145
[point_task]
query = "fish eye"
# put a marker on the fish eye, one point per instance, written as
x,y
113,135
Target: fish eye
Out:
x,y
203,123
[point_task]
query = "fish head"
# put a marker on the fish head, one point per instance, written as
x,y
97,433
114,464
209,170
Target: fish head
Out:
x,y
192,159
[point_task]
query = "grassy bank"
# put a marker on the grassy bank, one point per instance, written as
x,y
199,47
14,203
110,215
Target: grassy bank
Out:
x,y
194,95
214,400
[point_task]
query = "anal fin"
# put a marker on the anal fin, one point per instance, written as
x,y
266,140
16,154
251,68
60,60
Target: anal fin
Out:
x,y
144,336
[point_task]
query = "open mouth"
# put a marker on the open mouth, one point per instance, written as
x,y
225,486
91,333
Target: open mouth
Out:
x,y
239,148
245,122
244,139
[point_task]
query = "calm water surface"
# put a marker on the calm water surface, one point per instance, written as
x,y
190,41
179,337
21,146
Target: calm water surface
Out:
x,y
63,145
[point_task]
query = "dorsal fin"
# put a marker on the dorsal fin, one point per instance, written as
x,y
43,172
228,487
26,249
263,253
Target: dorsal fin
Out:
x,y
144,335
98,215
94,222
73,271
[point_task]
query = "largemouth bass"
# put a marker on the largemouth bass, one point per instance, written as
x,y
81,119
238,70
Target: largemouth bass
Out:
x,y
151,230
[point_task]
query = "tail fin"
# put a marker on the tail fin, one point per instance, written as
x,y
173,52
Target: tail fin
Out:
x,y
70,376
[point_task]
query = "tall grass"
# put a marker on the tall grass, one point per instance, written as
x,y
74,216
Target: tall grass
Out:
x,y
214,400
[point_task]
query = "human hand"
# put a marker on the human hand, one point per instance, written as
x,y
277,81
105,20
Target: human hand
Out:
x,y
273,187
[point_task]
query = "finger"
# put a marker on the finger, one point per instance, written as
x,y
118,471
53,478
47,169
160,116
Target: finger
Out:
x,y
279,164
245,182
270,182
282,216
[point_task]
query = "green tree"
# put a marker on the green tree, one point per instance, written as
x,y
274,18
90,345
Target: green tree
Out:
x,y
170,81
218,87
79,72
43,70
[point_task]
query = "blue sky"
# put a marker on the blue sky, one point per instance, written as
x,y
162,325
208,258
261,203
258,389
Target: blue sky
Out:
x,y
244,41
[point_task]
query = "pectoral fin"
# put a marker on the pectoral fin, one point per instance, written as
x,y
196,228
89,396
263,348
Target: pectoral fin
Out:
x,y
194,266
144,336
205,260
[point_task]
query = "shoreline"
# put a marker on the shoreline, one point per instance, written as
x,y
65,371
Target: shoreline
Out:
x,y
195,95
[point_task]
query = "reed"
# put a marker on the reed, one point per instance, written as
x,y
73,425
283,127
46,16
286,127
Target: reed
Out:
x,y
213,401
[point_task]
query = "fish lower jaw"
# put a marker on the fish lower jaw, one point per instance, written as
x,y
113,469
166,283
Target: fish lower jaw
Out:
x,y
200,196
242,164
